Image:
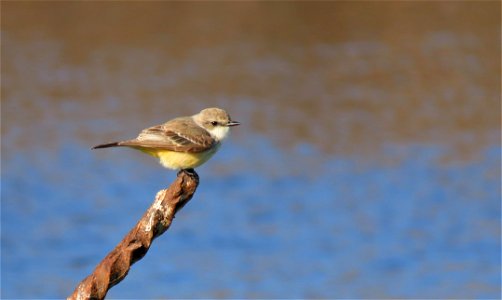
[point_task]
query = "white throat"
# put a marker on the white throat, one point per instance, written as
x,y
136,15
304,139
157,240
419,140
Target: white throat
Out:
x,y
219,132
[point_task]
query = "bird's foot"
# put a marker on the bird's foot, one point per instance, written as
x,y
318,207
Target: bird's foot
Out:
x,y
189,172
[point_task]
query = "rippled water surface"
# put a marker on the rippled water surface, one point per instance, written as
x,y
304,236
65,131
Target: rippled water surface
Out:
x,y
367,164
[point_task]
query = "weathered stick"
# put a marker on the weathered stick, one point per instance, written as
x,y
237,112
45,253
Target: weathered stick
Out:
x,y
156,220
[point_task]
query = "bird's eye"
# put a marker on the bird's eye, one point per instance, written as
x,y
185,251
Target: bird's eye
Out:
x,y
214,123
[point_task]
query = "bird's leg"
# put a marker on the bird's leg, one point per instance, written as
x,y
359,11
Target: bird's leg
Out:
x,y
190,172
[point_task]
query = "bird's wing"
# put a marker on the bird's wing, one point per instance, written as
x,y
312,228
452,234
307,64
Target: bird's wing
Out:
x,y
174,138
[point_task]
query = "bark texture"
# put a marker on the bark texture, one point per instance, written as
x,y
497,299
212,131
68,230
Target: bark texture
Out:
x,y
156,220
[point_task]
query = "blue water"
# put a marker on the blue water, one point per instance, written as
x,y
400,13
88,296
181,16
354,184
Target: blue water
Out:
x,y
367,164
265,222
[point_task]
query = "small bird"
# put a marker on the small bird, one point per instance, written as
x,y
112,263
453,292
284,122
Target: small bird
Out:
x,y
183,143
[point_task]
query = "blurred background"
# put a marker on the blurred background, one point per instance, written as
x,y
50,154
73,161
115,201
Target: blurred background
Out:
x,y
367,164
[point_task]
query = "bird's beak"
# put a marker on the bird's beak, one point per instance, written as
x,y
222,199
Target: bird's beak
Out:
x,y
233,123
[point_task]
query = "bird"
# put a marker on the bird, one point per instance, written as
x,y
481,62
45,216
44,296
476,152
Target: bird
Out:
x,y
183,143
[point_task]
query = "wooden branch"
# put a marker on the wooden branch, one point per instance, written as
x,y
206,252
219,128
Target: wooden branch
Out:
x,y
156,220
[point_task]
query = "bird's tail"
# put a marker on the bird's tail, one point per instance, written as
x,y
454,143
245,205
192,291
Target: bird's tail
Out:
x,y
107,145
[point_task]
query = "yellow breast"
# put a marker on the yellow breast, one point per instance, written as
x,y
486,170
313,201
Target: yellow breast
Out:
x,y
180,160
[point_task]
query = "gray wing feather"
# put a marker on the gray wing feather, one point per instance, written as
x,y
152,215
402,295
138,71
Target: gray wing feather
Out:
x,y
160,137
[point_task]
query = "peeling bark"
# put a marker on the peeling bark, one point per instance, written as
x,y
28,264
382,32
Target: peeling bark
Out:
x,y
156,220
